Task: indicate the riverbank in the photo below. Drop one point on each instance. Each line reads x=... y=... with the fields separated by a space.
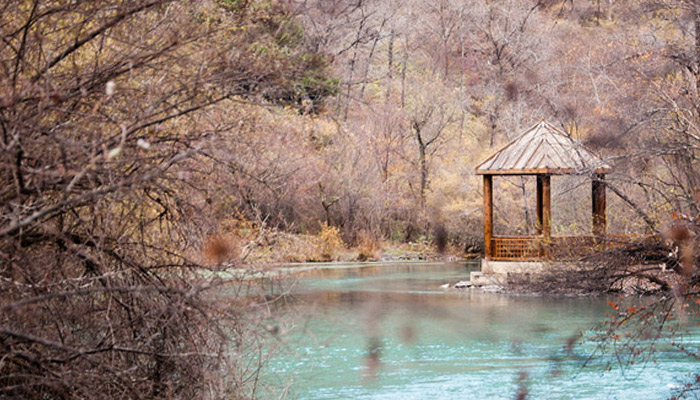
x=251 y=252
x=552 y=280
x=255 y=246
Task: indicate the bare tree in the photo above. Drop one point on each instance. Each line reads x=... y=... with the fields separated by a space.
x=103 y=127
x=428 y=125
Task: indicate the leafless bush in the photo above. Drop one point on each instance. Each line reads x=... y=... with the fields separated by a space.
x=636 y=267
x=104 y=129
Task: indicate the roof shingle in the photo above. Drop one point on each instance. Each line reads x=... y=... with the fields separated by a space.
x=542 y=149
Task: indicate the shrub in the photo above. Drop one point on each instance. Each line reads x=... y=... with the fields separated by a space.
x=331 y=242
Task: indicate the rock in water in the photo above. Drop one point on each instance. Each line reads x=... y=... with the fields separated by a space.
x=463 y=284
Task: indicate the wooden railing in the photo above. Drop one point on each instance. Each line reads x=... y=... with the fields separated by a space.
x=527 y=248
x=516 y=248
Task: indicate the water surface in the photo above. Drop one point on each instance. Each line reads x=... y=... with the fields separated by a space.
x=390 y=331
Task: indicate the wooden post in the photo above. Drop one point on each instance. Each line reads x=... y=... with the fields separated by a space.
x=546 y=213
x=598 y=200
x=488 y=215
x=538 y=227
x=546 y=206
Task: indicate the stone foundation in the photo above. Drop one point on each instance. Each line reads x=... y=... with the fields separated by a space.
x=499 y=273
x=512 y=267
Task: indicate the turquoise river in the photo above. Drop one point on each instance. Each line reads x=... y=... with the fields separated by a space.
x=390 y=331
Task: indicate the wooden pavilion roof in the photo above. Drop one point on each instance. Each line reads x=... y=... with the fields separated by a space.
x=543 y=149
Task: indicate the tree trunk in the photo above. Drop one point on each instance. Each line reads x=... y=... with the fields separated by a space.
x=422 y=162
x=369 y=65
x=696 y=21
x=446 y=57
x=352 y=67
x=403 y=74
x=347 y=95
x=390 y=67
x=493 y=118
x=423 y=174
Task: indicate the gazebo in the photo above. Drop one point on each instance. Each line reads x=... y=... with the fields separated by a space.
x=542 y=151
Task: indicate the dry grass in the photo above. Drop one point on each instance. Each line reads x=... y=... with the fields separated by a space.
x=368 y=247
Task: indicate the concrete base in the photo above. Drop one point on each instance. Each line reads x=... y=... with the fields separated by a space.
x=499 y=273
x=512 y=267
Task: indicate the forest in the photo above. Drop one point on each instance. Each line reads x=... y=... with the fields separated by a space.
x=148 y=144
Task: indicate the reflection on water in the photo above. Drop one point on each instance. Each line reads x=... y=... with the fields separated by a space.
x=392 y=332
